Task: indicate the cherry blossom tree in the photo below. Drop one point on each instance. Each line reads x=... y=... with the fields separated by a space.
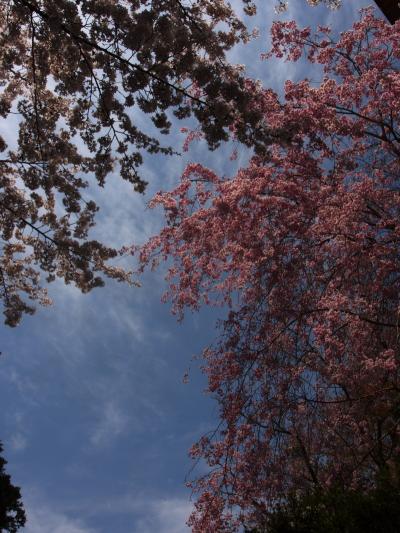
x=302 y=246
x=73 y=74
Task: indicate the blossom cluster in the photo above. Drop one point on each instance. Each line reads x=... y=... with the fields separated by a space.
x=303 y=248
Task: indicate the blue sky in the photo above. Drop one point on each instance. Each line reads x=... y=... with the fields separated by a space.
x=97 y=422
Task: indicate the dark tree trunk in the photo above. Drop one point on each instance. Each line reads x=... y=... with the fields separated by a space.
x=390 y=8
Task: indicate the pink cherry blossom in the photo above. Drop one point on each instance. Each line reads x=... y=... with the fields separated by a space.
x=302 y=246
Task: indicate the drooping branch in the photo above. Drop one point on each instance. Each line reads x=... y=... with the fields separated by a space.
x=303 y=247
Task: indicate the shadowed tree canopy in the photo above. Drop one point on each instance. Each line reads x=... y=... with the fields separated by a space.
x=337 y=511
x=74 y=77
x=12 y=514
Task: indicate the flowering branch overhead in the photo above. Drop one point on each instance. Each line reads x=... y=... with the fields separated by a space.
x=70 y=75
x=303 y=247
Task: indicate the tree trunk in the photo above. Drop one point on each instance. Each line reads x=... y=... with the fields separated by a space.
x=390 y=8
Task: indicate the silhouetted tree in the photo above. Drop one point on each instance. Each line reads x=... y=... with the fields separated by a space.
x=12 y=514
x=390 y=8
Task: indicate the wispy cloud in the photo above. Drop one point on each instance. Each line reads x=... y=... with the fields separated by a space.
x=43 y=519
x=152 y=514
x=18 y=442
x=111 y=424
x=142 y=515
x=164 y=516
